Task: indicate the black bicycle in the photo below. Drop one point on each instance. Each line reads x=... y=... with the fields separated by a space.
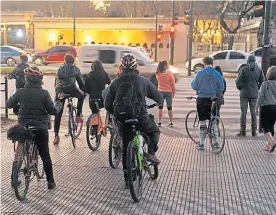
x=136 y=162
x=215 y=129
x=27 y=163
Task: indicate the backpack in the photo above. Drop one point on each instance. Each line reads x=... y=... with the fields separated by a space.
x=127 y=104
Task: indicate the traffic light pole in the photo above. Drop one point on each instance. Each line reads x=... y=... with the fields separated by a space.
x=74 y=23
x=266 y=37
x=172 y=37
x=191 y=38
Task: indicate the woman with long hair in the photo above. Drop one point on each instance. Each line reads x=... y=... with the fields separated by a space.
x=166 y=85
x=95 y=83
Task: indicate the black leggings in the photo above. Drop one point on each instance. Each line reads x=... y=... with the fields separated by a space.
x=42 y=143
x=268 y=118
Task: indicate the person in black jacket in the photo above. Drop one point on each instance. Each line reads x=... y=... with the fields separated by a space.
x=144 y=88
x=248 y=83
x=65 y=82
x=35 y=105
x=95 y=83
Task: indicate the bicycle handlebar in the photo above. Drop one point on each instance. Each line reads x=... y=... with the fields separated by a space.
x=152 y=105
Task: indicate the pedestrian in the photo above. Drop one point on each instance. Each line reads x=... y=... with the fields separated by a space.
x=248 y=83
x=220 y=100
x=19 y=76
x=166 y=85
x=95 y=82
x=267 y=102
x=208 y=83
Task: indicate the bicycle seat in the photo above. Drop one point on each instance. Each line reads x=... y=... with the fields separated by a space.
x=131 y=121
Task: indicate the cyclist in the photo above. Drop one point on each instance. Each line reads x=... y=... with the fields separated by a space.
x=208 y=84
x=35 y=105
x=95 y=83
x=19 y=76
x=143 y=88
x=65 y=82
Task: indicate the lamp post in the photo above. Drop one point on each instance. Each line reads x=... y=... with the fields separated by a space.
x=172 y=37
x=74 y=23
x=191 y=38
x=156 y=39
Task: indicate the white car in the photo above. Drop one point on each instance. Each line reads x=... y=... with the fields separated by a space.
x=229 y=61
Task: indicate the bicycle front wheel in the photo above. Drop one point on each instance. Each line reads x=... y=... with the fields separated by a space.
x=72 y=127
x=20 y=174
x=217 y=136
x=134 y=173
x=192 y=126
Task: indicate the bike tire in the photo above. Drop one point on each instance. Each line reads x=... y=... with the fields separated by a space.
x=24 y=158
x=91 y=134
x=221 y=133
x=133 y=173
x=71 y=128
x=195 y=121
x=78 y=125
x=114 y=148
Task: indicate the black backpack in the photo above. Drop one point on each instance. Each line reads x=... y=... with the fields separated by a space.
x=127 y=104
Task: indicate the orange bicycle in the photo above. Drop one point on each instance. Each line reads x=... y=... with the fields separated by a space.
x=95 y=128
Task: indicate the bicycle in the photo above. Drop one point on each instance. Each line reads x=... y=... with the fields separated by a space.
x=136 y=162
x=95 y=128
x=74 y=128
x=26 y=162
x=213 y=129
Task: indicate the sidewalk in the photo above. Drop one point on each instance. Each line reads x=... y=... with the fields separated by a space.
x=241 y=180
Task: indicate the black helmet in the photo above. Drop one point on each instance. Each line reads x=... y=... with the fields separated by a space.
x=128 y=62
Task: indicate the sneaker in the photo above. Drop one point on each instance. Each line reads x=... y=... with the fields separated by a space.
x=152 y=158
x=254 y=134
x=241 y=133
x=159 y=124
x=171 y=124
x=79 y=119
x=200 y=147
x=56 y=140
x=51 y=185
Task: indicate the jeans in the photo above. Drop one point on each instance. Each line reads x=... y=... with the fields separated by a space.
x=42 y=141
x=145 y=125
x=244 y=105
x=59 y=114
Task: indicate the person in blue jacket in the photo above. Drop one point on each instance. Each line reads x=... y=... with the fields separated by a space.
x=208 y=84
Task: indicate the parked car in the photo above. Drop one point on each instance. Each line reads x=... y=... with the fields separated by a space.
x=229 y=61
x=259 y=51
x=10 y=55
x=54 y=55
x=110 y=56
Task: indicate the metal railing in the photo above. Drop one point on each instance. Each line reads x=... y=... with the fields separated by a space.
x=6 y=95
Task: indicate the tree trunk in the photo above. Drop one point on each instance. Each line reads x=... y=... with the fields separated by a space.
x=231 y=43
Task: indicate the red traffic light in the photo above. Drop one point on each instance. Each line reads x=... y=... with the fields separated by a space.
x=159 y=37
x=172 y=29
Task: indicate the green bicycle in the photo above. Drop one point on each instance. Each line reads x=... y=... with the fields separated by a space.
x=136 y=162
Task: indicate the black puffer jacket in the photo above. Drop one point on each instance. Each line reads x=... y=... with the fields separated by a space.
x=18 y=75
x=35 y=104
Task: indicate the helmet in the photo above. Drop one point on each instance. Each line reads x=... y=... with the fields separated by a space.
x=128 y=62
x=33 y=71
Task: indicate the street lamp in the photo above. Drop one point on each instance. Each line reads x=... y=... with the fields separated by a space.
x=74 y=23
x=156 y=34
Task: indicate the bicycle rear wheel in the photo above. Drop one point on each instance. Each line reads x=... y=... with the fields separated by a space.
x=39 y=165
x=192 y=125
x=115 y=148
x=20 y=174
x=72 y=126
x=93 y=135
x=217 y=136
x=134 y=174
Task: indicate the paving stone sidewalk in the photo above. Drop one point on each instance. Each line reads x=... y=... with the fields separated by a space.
x=241 y=180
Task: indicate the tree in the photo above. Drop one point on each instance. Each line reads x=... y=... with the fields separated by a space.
x=235 y=11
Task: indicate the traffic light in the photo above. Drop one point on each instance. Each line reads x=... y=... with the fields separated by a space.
x=187 y=17
x=159 y=37
x=160 y=33
x=175 y=22
x=172 y=31
x=259 y=9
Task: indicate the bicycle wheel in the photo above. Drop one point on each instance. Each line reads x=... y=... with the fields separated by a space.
x=20 y=174
x=114 y=149
x=93 y=137
x=192 y=126
x=72 y=127
x=217 y=136
x=78 y=125
x=134 y=174
x=39 y=165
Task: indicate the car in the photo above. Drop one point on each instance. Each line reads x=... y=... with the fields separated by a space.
x=110 y=56
x=54 y=55
x=229 y=60
x=10 y=55
x=259 y=51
